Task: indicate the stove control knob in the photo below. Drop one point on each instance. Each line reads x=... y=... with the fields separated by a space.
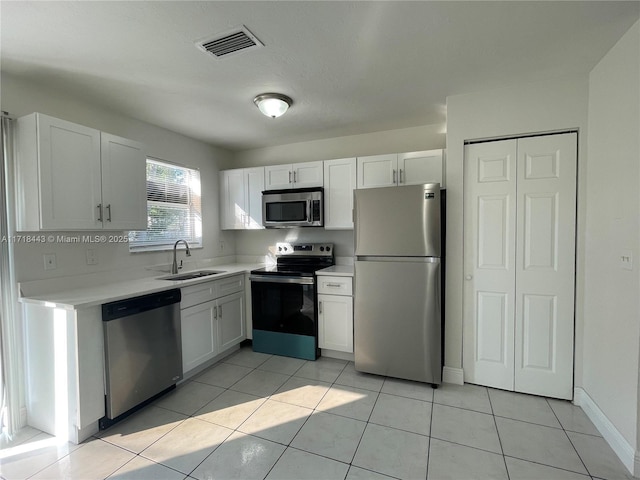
x=279 y=249
x=328 y=248
x=322 y=249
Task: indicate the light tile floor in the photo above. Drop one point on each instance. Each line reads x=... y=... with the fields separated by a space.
x=256 y=416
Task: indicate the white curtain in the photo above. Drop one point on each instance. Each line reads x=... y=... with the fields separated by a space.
x=10 y=337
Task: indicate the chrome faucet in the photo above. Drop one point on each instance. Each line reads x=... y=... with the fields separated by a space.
x=174 y=267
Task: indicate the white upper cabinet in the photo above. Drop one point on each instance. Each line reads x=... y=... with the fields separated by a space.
x=232 y=199
x=416 y=168
x=124 y=198
x=71 y=177
x=241 y=198
x=378 y=171
x=297 y=175
x=339 y=183
x=400 y=169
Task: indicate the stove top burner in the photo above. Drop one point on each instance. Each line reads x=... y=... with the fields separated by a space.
x=301 y=259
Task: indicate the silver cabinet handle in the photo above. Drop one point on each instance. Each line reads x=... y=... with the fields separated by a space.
x=401 y=176
x=219 y=311
x=109 y=212
x=294 y=177
x=289 y=176
x=335 y=285
x=319 y=307
x=394 y=175
x=468 y=277
x=215 y=312
x=99 y=207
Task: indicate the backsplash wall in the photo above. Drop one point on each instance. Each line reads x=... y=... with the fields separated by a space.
x=257 y=242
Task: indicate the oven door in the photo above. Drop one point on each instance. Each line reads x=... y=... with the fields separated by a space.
x=284 y=315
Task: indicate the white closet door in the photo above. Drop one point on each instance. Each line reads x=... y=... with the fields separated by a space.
x=544 y=320
x=489 y=259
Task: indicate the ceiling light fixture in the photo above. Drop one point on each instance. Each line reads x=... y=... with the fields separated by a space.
x=273 y=104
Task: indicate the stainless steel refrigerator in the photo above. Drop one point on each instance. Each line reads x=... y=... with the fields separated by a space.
x=397 y=307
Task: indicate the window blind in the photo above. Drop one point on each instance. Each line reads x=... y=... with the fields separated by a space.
x=174 y=208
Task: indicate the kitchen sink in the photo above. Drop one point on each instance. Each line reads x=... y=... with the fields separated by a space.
x=191 y=275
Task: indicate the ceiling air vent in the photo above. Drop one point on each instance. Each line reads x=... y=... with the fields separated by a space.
x=230 y=43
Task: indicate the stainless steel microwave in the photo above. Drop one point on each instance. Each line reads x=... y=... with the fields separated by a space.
x=302 y=207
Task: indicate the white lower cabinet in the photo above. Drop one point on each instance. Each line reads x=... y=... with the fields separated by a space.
x=335 y=313
x=230 y=321
x=212 y=318
x=198 y=334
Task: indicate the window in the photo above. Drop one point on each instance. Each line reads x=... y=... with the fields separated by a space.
x=174 y=209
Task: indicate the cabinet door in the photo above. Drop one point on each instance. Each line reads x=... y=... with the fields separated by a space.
x=232 y=199
x=277 y=177
x=378 y=171
x=124 y=184
x=339 y=183
x=308 y=174
x=230 y=321
x=254 y=185
x=416 y=168
x=198 y=334
x=335 y=323
x=69 y=171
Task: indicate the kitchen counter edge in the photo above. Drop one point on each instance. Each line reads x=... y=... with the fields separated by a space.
x=337 y=271
x=81 y=298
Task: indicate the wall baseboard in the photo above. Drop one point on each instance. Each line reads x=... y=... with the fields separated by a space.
x=610 y=433
x=453 y=375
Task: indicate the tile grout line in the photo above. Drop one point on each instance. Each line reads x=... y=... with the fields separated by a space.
x=569 y=438
x=495 y=422
x=433 y=399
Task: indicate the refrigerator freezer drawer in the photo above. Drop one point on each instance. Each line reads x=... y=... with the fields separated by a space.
x=397 y=318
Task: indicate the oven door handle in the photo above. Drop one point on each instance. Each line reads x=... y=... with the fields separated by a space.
x=282 y=279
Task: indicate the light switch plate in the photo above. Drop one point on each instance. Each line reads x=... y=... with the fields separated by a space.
x=626 y=259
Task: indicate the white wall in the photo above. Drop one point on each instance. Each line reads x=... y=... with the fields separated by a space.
x=253 y=242
x=557 y=104
x=611 y=301
x=412 y=139
x=21 y=98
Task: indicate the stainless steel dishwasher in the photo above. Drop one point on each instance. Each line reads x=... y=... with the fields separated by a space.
x=143 y=351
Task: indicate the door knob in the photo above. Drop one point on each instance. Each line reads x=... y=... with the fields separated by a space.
x=468 y=277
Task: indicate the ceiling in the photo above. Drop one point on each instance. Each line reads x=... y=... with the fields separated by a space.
x=350 y=67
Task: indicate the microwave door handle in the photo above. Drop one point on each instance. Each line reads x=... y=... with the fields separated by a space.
x=308 y=211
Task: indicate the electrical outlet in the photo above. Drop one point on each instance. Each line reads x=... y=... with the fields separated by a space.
x=626 y=260
x=50 y=261
x=92 y=257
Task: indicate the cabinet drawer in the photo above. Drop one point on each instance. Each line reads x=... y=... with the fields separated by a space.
x=229 y=285
x=196 y=294
x=335 y=285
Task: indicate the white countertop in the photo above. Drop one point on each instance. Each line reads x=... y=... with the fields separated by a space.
x=337 y=271
x=89 y=296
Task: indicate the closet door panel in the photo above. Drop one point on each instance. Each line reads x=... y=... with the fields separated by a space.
x=545 y=270
x=489 y=259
